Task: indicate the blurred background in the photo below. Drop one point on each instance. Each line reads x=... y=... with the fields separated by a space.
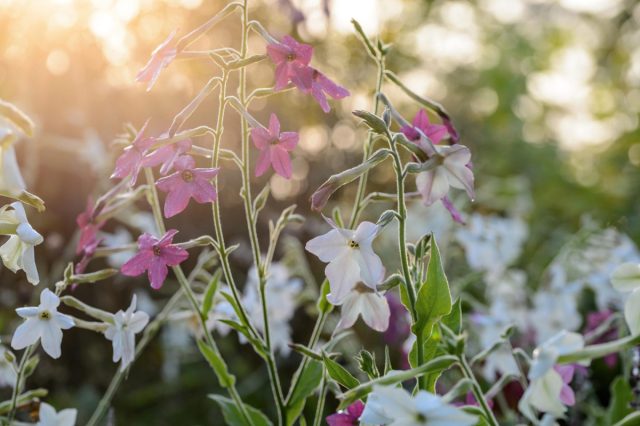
x=545 y=93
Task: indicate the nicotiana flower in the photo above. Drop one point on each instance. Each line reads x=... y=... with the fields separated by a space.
x=88 y=228
x=548 y=383
x=450 y=170
x=126 y=324
x=18 y=253
x=627 y=278
x=312 y=81
x=166 y=156
x=161 y=57
x=49 y=417
x=8 y=369
x=274 y=148
x=131 y=160
x=154 y=255
x=43 y=323
x=388 y=405
x=367 y=303
x=348 y=417
x=186 y=183
x=290 y=58
x=11 y=180
x=435 y=132
x=351 y=258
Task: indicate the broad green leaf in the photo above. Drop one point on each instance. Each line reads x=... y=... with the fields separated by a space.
x=310 y=379
x=233 y=417
x=225 y=378
x=454 y=319
x=621 y=397
x=212 y=287
x=340 y=374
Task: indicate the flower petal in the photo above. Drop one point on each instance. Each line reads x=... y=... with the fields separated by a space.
x=327 y=246
x=26 y=334
x=281 y=161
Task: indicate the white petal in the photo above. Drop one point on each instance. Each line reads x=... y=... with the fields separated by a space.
x=138 y=321
x=395 y=403
x=47 y=415
x=110 y=332
x=11 y=253
x=461 y=177
x=67 y=417
x=349 y=311
x=63 y=321
x=29 y=235
x=365 y=233
x=118 y=344
x=343 y=273
x=371 y=268
x=29 y=265
x=48 y=300
x=27 y=312
x=132 y=306
x=26 y=334
x=51 y=339
x=128 y=349
x=433 y=185
x=626 y=277
x=632 y=312
x=545 y=394
x=375 y=311
x=11 y=178
x=328 y=246
x=21 y=215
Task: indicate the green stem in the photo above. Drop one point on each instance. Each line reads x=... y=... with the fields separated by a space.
x=317 y=419
x=477 y=391
x=19 y=382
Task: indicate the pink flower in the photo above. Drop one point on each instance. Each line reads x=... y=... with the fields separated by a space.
x=566 y=393
x=167 y=155
x=88 y=228
x=274 y=148
x=161 y=57
x=435 y=132
x=154 y=256
x=310 y=80
x=131 y=160
x=348 y=417
x=594 y=320
x=186 y=183
x=290 y=57
x=455 y=214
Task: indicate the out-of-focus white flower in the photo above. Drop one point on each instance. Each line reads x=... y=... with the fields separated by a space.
x=43 y=323
x=121 y=237
x=492 y=243
x=627 y=278
x=371 y=305
x=350 y=256
x=126 y=324
x=8 y=369
x=281 y=293
x=546 y=382
x=18 y=253
x=49 y=417
x=553 y=311
x=452 y=171
x=11 y=181
x=388 y=405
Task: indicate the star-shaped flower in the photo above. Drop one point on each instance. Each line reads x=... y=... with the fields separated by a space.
x=274 y=148
x=126 y=324
x=161 y=57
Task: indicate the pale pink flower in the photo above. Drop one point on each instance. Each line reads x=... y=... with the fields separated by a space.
x=435 y=132
x=186 y=183
x=312 y=81
x=166 y=156
x=290 y=57
x=154 y=255
x=161 y=57
x=566 y=393
x=451 y=170
x=348 y=417
x=274 y=148
x=364 y=302
x=131 y=160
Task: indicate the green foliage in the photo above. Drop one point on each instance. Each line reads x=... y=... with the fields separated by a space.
x=310 y=379
x=621 y=397
x=232 y=414
x=216 y=362
x=340 y=374
x=367 y=363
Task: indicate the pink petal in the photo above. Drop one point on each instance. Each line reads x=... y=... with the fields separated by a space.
x=567 y=396
x=168 y=183
x=205 y=174
x=167 y=238
x=282 y=76
x=274 y=126
x=260 y=137
x=278 y=52
x=566 y=372
x=146 y=241
x=185 y=162
x=281 y=161
x=177 y=200
x=137 y=264
x=331 y=88
x=264 y=161
x=173 y=255
x=321 y=98
x=356 y=409
x=289 y=140
x=157 y=272
x=421 y=120
x=203 y=191
x=341 y=419
x=455 y=214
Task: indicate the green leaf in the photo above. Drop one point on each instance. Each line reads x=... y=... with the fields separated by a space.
x=310 y=379
x=340 y=374
x=375 y=123
x=621 y=397
x=323 y=303
x=454 y=319
x=212 y=287
x=434 y=299
x=367 y=363
x=212 y=355
x=233 y=417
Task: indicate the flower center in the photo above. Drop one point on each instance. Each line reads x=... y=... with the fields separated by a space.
x=421 y=418
x=353 y=244
x=274 y=141
x=45 y=315
x=291 y=57
x=157 y=251
x=187 y=175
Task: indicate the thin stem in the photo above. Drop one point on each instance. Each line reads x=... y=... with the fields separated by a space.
x=477 y=391
x=19 y=382
x=317 y=420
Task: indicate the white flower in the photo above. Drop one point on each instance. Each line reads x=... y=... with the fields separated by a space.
x=627 y=278
x=8 y=369
x=49 y=417
x=122 y=333
x=351 y=258
x=388 y=405
x=43 y=322
x=362 y=301
x=11 y=181
x=553 y=311
x=452 y=171
x=17 y=253
x=546 y=383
